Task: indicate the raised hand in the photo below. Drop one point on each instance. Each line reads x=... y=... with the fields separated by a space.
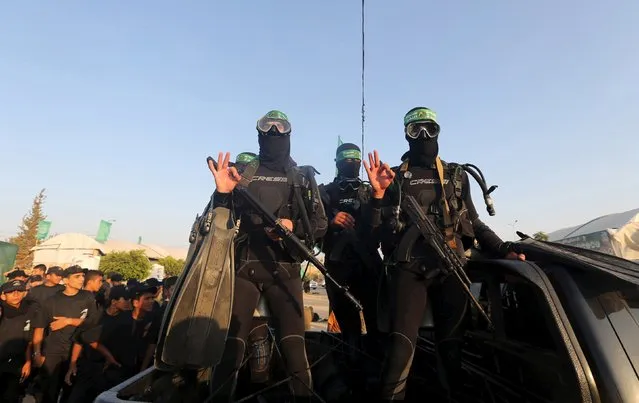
x=226 y=178
x=380 y=175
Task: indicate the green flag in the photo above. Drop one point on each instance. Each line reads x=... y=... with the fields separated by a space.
x=139 y=240
x=8 y=252
x=43 y=230
x=103 y=231
x=339 y=143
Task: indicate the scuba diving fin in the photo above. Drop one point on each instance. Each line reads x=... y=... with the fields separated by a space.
x=197 y=318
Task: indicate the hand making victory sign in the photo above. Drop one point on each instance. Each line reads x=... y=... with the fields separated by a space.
x=226 y=178
x=380 y=175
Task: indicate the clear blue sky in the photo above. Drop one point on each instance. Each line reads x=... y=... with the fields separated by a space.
x=113 y=106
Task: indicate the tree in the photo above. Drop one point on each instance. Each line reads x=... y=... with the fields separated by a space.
x=172 y=266
x=540 y=236
x=26 y=238
x=132 y=264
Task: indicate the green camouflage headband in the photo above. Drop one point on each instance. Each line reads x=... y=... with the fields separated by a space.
x=350 y=153
x=276 y=115
x=419 y=115
x=245 y=158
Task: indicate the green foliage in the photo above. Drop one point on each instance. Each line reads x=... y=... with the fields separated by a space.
x=172 y=266
x=26 y=238
x=133 y=264
x=540 y=236
x=312 y=273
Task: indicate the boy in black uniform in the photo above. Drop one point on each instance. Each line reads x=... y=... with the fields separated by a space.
x=38 y=270
x=93 y=281
x=444 y=194
x=263 y=266
x=351 y=255
x=51 y=286
x=15 y=341
x=61 y=315
x=146 y=325
x=107 y=353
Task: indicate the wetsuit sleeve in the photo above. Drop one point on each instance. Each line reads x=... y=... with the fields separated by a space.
x=222 y=199
x=486 y=237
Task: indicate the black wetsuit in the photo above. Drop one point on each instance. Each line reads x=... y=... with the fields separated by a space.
x=351 y=257
x=265 y=267
x=410 y=282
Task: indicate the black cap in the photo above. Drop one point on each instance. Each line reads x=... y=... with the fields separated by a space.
x=117 y=277
x=143 y=289
x=170 y=281
x=153 y=282
x=57 y=270
x=35 y=278
x=71 y=270
x=16 y=273
x=15 y=285
x=119 y=291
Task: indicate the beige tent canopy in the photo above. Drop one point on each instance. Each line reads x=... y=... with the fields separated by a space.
x=68 y=249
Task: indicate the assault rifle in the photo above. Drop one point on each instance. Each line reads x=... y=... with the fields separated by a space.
x=290 y=239
x=435 y=239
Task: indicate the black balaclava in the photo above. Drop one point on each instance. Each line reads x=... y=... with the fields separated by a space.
x=275 y=152
x=422 y=152
x=346 y=169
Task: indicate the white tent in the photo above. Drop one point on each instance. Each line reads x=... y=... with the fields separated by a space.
x=616 y=234
x=69 y=249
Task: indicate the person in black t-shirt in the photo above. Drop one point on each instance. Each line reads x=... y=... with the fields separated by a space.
x=38 y=270
x=103 y=355
x=93 y=280
x=51 y=286
x=157 y=298
x=15 y=341
x=61 y=314
x=146 y=324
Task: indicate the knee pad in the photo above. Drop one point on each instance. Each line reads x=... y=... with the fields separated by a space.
x=260 y=351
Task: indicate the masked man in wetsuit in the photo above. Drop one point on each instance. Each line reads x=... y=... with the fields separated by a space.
x=416 y=281
x=259 y=346
x=350 y=252
x=264 y=267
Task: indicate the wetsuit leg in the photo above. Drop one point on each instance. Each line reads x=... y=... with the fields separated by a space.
x=345 y=313
x=225 y=373
x=284 y=298
x=408 y=297
x=450 y=308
